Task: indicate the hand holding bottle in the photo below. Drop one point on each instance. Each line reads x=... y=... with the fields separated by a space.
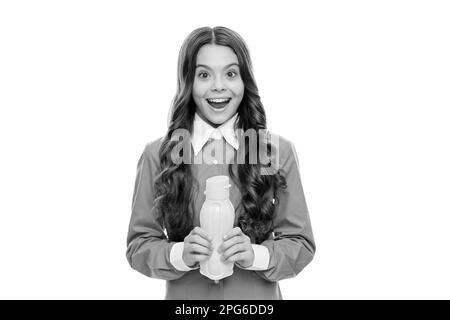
x=237 y=247
x=197 y=247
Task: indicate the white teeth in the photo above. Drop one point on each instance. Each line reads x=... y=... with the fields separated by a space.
x=218 y=100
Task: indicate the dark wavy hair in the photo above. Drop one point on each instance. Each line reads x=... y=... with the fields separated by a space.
x=175 y=186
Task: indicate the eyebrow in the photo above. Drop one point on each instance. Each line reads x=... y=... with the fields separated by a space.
x=207 y=67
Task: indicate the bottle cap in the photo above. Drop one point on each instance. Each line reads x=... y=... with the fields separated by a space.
x=217 y=188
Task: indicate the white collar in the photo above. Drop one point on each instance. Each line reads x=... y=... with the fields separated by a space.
x=203 y=131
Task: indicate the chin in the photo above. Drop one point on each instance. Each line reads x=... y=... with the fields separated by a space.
x=219 y=118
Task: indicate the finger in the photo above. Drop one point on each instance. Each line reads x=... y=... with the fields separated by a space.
x=231 y=242
x=200 y=257
x=195 y=238
x=233 y=250
x=199 y=249
x=237 y=257
x=202 y=233
x=234 y=232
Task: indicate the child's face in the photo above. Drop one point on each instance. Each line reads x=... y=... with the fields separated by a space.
x=217 y=75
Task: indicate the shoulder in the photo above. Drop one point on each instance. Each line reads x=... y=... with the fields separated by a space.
x=285 y=147
x=151 y=150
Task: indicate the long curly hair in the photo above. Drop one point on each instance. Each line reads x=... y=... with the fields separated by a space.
x=175 y=186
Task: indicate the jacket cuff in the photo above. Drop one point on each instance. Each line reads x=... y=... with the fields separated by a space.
x=262 y=258
x=176 y=257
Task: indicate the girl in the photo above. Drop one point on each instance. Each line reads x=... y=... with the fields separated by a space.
x=272 y=237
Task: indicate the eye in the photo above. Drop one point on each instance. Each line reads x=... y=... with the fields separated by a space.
x=203 y=75
x=232 y=73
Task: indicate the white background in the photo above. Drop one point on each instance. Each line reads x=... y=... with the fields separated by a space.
x=360 y=87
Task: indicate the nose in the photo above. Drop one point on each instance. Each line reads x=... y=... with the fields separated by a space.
x=218 y=85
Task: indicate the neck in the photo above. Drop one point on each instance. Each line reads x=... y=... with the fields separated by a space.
x=212 y=124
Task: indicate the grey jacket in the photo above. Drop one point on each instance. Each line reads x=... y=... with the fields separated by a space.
x=291 y=246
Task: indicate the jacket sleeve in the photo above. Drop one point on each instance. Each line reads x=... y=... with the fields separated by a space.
x=291 y=247
x=148 y=249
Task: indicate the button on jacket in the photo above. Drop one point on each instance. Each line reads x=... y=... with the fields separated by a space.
x=283 y=255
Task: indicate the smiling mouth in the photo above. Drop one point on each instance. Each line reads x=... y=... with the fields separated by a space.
x=218 y=103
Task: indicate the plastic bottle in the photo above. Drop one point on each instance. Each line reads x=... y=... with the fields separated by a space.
x=217 y=219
